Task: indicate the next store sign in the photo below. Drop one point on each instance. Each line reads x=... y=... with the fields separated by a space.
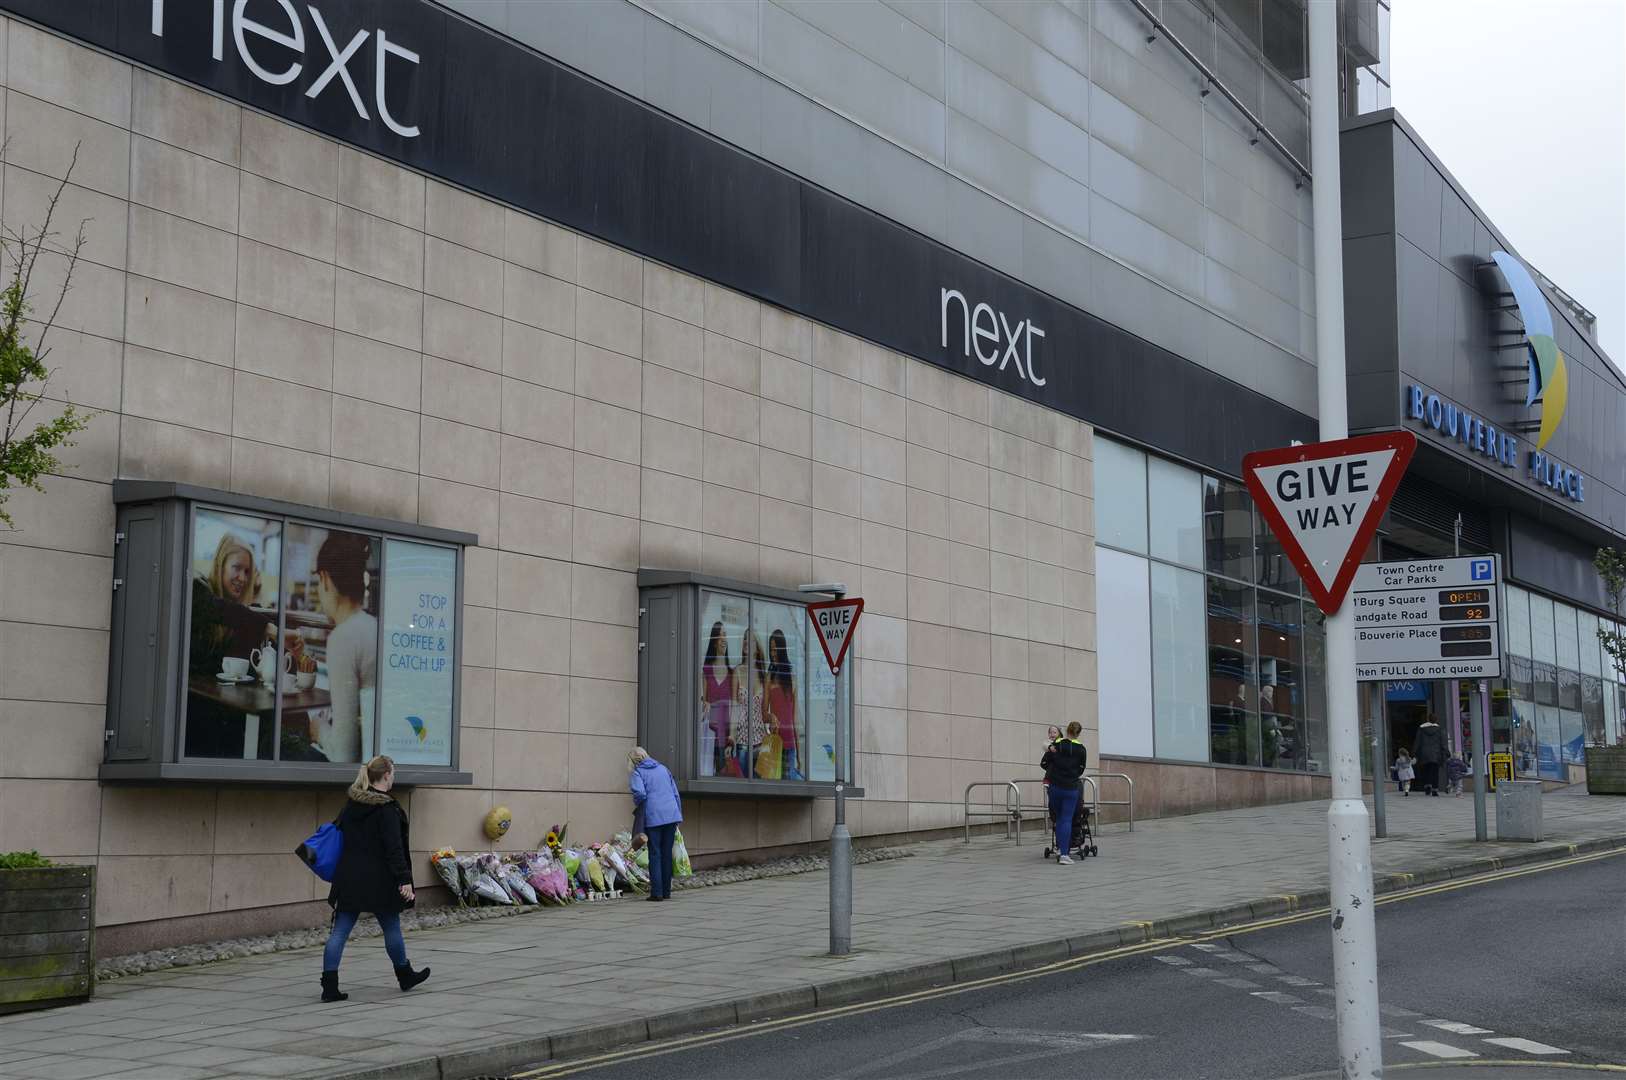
x=1432 y=412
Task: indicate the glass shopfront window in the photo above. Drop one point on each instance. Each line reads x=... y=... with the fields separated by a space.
x=1543 y=639
x=1179 y=664
x=1549 y=744
x=332 y=613
x=1120 y=497
x=754 y=692
x=1175 y=502
x=1233 y=710
x=286 y=643
x=1281 y=683
x=1567 y=693
x=1241 y=683
x=236 y=660
x=1228 y=541
x=735 y=693
x=1517 y=621
x=309 y=641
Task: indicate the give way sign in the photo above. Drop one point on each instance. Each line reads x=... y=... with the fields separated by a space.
x=1324 y=501
x=835 y=620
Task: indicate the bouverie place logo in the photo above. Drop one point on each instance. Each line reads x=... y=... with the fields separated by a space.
x=1549 y=376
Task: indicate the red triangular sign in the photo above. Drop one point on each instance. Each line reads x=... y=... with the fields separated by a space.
x=1324 y=501
x=835 y=621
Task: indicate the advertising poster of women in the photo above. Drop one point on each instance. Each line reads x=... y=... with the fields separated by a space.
x=767 y=706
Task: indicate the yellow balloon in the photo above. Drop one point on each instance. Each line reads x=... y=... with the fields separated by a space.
x=498 y=821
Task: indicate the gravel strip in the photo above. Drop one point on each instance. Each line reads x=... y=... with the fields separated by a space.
x=188 y=955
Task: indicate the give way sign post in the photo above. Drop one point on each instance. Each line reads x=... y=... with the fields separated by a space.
x=835 y=620
x=1324 y=501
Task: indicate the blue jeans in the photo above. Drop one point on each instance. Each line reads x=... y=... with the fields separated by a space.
x=661 y=838
x=1063 y=805
x=345 y=921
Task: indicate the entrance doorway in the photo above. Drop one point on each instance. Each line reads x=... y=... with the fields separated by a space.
x=1405 y=706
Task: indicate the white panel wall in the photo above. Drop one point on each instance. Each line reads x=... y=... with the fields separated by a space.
x=1047 y=138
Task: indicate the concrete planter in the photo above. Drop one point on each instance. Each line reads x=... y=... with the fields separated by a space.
x=1606 y=770
x=47 y=937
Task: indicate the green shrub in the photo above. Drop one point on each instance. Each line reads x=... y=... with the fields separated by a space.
x=22 y=860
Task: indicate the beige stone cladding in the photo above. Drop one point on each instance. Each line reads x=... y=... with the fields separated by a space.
x=267 y=311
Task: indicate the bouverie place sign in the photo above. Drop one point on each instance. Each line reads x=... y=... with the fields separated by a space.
x=1324 y=500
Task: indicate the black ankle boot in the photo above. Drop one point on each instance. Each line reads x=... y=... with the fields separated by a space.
x=409 y=978
x=330 y=987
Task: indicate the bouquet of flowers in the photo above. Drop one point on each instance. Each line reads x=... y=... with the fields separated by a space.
x=444 y=862
x=492 y=867
x=547 y=877
x=514 y=881
x=595 y=872
x=620 y=861
x=572 y=862
x=554 y=841
x=479 y=884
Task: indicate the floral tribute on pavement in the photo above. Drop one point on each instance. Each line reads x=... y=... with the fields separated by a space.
x=557 y=873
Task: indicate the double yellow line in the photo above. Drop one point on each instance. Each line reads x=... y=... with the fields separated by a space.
x=672 y=1046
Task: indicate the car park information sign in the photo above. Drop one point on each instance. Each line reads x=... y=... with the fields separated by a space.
x=1428 y=619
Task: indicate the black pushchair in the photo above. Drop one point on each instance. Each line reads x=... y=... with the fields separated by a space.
x=1083 y=839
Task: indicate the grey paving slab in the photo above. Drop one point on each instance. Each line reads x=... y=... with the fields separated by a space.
x=556 y=971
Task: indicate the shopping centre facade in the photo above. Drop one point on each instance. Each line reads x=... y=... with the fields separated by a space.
x=477 y=383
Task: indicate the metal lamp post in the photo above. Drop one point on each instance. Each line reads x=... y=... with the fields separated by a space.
x=841 y=841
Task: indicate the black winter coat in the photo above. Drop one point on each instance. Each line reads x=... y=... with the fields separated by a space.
x=374 y=863
x=1429 y=745
x=1063 y=763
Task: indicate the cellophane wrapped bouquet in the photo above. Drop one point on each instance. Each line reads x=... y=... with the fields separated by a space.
x=444 y=862
x=547 y=877
x=478 y=883
x=514 y=881
x=620 y=854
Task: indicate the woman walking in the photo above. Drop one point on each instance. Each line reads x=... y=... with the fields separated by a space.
x=373 y=874
x=658 y=807
x=1428 y=748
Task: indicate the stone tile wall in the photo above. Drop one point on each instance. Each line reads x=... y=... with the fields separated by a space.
x=267 y=311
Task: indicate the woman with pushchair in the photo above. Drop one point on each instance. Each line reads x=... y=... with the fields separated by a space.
x=1063 y=763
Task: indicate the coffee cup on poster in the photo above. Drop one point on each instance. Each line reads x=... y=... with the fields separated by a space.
x=234 y=666
x=304 y=680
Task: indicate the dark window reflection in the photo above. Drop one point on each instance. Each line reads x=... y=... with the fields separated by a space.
x=1592 y=690
x=1227 y=529
x=1232 y=686
x=1546 y=683
x=1522 y=678
x=1569 y=689
x=1281 y=683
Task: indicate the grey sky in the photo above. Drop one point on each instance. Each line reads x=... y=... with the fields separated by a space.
x=1524 y=100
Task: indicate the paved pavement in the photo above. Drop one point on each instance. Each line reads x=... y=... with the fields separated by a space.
x=1253 y=1001
x=564 y=981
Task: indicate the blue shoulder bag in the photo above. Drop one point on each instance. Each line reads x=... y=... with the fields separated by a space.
x=321 y=851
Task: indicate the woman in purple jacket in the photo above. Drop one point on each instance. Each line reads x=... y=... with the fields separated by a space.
x=656 y=803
